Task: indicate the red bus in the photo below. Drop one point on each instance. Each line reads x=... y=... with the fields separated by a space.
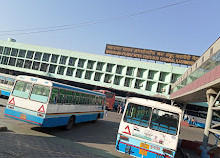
x=110 y=98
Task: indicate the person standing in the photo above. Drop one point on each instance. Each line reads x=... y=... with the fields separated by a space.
x=106 y=111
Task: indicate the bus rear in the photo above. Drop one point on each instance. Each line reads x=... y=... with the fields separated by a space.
x=28 y=100
x=149 y=129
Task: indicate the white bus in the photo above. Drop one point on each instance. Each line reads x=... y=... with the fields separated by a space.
x=49 y=104
x=149 y=129
x=6 y=84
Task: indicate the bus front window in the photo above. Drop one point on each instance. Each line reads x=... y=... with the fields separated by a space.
x=22 y=89
x=109 y=94
x=164 y=121
x=138 y=114
x=40 y=93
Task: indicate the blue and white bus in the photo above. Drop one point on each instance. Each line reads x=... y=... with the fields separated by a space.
x=149 y=129
x=6 y=84
x=49 y=104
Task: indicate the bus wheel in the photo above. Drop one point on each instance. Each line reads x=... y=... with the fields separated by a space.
x=71 y=123
x=97 y=117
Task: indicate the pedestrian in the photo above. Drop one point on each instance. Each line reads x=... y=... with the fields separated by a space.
x=193 y=121
x=120 y=109
x=106 y=112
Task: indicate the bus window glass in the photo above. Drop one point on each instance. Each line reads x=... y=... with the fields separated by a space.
x=164 y=121
x=22 y=89
x=109 y=94
x=54 y=96
x=138 y=114
x=40 y=93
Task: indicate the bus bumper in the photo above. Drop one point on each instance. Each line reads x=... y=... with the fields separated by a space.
x=23 y=117
x=128 y=147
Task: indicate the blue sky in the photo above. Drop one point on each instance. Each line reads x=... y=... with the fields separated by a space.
x=188 y=28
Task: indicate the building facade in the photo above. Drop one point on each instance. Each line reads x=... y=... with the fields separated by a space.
x=139 y=77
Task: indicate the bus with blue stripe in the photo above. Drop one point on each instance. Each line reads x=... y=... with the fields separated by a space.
x=49 y=104
x=149 y=129
x=6 y=84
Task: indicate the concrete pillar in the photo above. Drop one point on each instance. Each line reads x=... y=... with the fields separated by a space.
x=183 y=109
x=210 y=94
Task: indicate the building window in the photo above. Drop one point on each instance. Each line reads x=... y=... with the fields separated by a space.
x=30 y=54
x=20 y=63
x=90 y=64
x=151 y=74
x=22 y=53
x=1 y=50
x=61 y=70
x=99 y=66
x=119 y=69
x=117 y=80
x=52 y=68
x=130 y=71
x=109 y=67
x=97 y=77
x=14 y=52
x=27 y=64
x=7 y=51
x=128 y=82
x=12 y=61
x=88 y=75
x=140 y=73
x=46 y=57
x=36 y=65
x=63 y=60
x=72 y=61
x=81 y=63
x=37 y=56
x=108 y=78
x=54 y=58
x=69 y=71
x=4 y=60
x=44 y=67
x=79 y=73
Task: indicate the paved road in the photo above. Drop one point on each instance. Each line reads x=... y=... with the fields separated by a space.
x=85 y=140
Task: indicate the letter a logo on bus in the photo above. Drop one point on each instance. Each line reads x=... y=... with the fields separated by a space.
x=12 y=101
x=41 y=109
x=128 y=130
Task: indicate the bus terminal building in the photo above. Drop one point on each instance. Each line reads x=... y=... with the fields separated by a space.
x=125 y=76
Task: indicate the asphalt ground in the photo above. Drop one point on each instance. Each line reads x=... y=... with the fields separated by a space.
x=85 y=140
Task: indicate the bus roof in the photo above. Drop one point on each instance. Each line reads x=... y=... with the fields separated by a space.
x=155 y=104
x=56 y=84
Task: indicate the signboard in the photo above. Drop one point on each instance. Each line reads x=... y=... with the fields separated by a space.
x=149 y=54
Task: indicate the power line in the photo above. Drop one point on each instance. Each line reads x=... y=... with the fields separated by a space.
x=71 y=26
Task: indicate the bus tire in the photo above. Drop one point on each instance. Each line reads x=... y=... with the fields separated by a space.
x=70 y=123
x=97 y=117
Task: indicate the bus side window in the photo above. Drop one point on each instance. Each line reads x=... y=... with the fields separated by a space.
x=54 y=96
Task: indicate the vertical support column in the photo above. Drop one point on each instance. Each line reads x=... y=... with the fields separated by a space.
x=210 y=94
x=183 y=109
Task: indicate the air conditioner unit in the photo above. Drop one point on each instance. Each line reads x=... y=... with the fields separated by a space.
x=109 y=81
x=163 y=89
x=140 y=85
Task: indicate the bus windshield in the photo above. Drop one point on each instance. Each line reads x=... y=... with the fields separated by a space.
x=164 y=121
x=160 y=120
x=40 y=93
x=22 y=89
x=109 y=94
x=138 y=114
